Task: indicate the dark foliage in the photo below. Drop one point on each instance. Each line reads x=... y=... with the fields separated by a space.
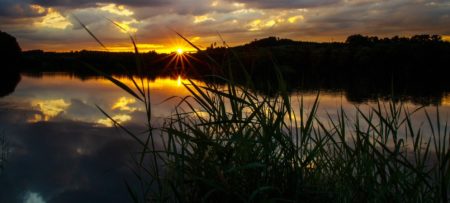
x=9 y=51
x=364 y=67
x=10 y=54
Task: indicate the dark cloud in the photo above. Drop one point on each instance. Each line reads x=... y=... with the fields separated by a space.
x=88 y=3
x=80 y=110
x=382 y=18
x=18 y=9
x=24 y=9
x=286 y=3
x=65 y=161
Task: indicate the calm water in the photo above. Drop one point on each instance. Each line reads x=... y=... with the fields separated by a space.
x=62 y=149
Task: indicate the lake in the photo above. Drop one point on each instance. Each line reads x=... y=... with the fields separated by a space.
x=61 y=148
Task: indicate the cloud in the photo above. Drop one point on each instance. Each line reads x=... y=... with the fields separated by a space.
x=116 y=9
x=120 y=118
x=398 y=17
x=53 y=19
x=81 y=111
x=21 y=13
x=203 y=18
x=90 y=3
x=20 y=9
x=123 y=104
x=271 y=4
x=64 y=161
x=47 y=24
x=49 y=109
x=32 y=197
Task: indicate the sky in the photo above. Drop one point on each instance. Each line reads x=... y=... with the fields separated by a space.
x=51 y=25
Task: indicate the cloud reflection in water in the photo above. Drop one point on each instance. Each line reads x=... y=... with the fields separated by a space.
x=59 y=152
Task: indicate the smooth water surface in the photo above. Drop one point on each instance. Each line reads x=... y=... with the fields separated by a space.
x=63 y=149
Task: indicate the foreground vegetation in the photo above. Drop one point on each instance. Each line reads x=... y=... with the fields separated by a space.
x=4 y=150
x=230 y=144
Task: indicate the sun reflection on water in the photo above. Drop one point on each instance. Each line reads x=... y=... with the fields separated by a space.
x=173 y=85
x=179 y=81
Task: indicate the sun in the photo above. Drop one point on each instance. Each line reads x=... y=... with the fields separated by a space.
x=180 y=51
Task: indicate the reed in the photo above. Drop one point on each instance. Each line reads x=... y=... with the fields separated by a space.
x=4 y=152
x=230 y=144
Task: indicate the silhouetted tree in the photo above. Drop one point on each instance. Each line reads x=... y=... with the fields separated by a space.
x=9 y=51
x=10 y=54
x=358 y=40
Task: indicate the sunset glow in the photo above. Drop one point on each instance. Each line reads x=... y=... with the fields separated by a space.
x=180 y=51
x=47 y=25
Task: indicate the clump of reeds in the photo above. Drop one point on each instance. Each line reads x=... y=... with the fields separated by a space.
x=229 y=144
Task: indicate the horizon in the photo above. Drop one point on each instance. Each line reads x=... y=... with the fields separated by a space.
x=50 y=25
x=184 y=49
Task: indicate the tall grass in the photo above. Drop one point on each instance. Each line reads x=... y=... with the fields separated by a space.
x=230 y=144
x=4 y=151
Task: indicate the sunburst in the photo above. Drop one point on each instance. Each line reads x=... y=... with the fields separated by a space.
x=178 y=61
x=180 y=51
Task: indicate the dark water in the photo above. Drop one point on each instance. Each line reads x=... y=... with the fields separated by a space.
x=62 y=149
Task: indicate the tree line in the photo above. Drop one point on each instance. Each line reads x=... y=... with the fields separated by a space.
x=365 y=67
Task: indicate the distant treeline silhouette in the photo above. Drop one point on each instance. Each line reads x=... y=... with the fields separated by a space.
x=364 y=67
x=10 y=55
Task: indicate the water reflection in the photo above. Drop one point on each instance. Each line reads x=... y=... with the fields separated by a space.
x=65 y=98
x=8 y=83
x=64 y=150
